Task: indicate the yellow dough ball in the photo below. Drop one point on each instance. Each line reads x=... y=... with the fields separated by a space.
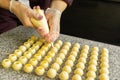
x=17 y=65
x=104 y=76
x=57 y=46
x=18 y=52
x=64 y=75
x=30 y=41
x=79 y=71
x=76 y=45
x=67 y=43
x=42 y=52
x=84 y=51
x=45 y=64
x=27 y=44
x=90 y=78
x=28 y=68
x=91 y=74
x=67 y=68
x=27 y=54
x=44 y=48
x=61 y=55
x=104 y=70
x=105 y=50
x=23 y=59
x=58 y=60
x=69 y=63
x=54 y=49
x=104 y=64
x=51 y=73
x=12 y=57
x=33 y=61
x=22 y=48
x=55 y=66
x=93 y=57
x=40 y=70
x=104 y=54
x=92 y=67
x=76 y=77
x=73 y=53
x=39 y=43
x=64 y=51
x=32 y=50
x=94 y=53
x=71 y=57
x=33 y=37
x=82 y=59
x=85 y=47
x=95 y=49
x=50 y=53
x=84 y=55
x=104 y=59
x=6 y=63
x=48 y=59
x=38 y=57
x=59 y=42
x=66 y=47
x=80 y=65
x=76 y=49
x=36 y=46
x=93 y=62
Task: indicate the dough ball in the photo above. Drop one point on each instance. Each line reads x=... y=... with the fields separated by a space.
x=93 y=62
x=38 y=57
x=76 y=45
x=32 y=50
x=85 y=47
x=69 y=63
x=27 y=54
x=93 y=57
x=18 y=52
x=79 y=71
x=104 y=64
x=6 y=63
x=104 y=76
x=48 y=59
x=90 y=78
x=27 y=45
x=82 y=59
x=12 y=57
x=55 y=66
x=28 y=68
x=33 y=61
x=94 y=53
x=64 y=51
x=59 y=42
x=50 y=53
x=67 y=43
x=91 y=74
x=40 y=70
x=84 y=51
x=71 y=57
x=66 y=47
x=73 y=53
x=51 y=73
x=76 y=49
x=104 y=70
x=80 y=65
x=67 y=68
x=64 y=75
x=17 y=65
x=45 y=64
x=95 y=49
x=22 y=48
x=105 y=50
x=83 y=55
x=61 y=55
x=76 y=77
x=58 y=60
x=23 y=59
x=104 y=59
x=42 y=52
x=92 y=67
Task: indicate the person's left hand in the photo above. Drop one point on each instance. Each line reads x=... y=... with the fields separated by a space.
x=53 y=18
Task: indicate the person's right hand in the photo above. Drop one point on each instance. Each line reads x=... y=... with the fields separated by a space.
x=24 y=14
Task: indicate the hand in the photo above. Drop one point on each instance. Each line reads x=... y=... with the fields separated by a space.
x=53 y=18
x=24 y=14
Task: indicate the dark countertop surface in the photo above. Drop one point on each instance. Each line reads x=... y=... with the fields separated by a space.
x=12 y=39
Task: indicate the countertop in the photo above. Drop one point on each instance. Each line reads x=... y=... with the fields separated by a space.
x=12 y=39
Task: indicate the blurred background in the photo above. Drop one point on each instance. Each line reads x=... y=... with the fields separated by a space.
x=97 y=20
